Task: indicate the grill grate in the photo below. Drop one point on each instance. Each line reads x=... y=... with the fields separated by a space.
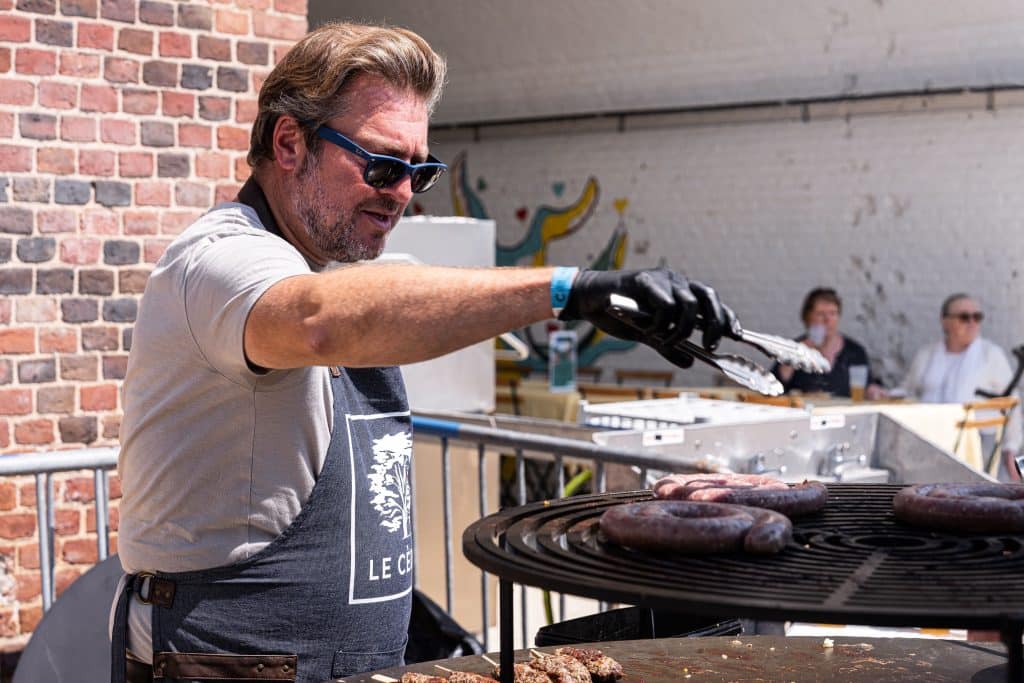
x=851 y=563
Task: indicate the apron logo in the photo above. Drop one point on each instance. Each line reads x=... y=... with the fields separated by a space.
x=389 y=481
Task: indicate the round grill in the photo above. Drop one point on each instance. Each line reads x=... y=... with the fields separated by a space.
x=853 y=562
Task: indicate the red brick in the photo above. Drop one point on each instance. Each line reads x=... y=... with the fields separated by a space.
x=111 y=426
x=175 y=44
x=58 y=95
x=35 y=62
x=15 y=401
x=79 y=8
x=280 y=51
x=114 y=486
x=63 y=339
x=64 y=578
x=135 y=40
x=79 y=551
x=178 y=103
x=26 y=586
x=246 y=110
x=36 y=432
x=99 y=222
x=20 y=525
x=225 y=193
x=5 y=311
x=141 y=222
x=5 y=59
x=152 y=250
x=252 y=4
x=118 y=70
x=113 y=519
x=95 y=162
x=135 y=164
x=175 y=222
x=51 y=221
x=195 y=135
x=291 y=7
x=29 y=618
x=99 y=98
x=79 y=65
x=119 y=132
x=283 y=28
x=8 y=623
x=15 y=158
x=212 y=165
x=154 y=193
x=15 y=29
x=81 y=368
x=218 y=49
x=79 y=490
x=242 y=169
x=5 y=434
x=18 y=340
x=103 y=397
x=77 y=129
x=42 y=127
x=97 y=36
x=191 y=194
x=80 y=250
x=232 y=137
x=227 y=21
x=59 y=400
x=6 y=125
x=258 y=78
x=139 y=101
x=59 y=161
x=8 y=496
x=16 y=92
x=67 y=522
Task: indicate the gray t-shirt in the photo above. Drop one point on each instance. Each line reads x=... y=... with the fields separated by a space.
x=216 y=459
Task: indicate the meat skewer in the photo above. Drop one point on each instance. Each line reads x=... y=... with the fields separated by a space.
x=560 y=668
x=413 y=677
x=465 y=676
x=524 y=673
x=602 y=668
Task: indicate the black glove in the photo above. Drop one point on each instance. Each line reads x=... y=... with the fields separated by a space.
x=672 y=303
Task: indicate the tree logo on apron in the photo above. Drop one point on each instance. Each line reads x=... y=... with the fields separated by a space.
x=389 y=481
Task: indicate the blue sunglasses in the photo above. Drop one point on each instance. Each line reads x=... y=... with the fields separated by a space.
x=383 y=171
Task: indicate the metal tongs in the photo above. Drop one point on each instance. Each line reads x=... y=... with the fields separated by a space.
x=737 y=368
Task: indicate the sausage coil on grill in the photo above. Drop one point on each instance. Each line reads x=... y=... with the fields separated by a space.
x=984 y=508
x=745 y=489
x=693 y=527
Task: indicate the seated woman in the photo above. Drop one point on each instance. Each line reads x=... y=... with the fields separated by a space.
x=952 y=371
x=820 y=313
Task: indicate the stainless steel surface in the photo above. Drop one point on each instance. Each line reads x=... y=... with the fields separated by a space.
x=787 y=351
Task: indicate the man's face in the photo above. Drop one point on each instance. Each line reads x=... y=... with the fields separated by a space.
x=346 y=219
x=962 y=324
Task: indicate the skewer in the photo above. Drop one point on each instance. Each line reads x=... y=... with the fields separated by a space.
x=444 y=668
x=489 y=660
x=538 y=654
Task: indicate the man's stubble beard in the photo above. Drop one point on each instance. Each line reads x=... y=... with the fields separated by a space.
x=337 y=241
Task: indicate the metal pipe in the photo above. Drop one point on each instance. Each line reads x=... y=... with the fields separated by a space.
x=51 y=518
x=521 y=500
x=100 y=482
x=560 y=465
x=62 y=461
x=446 y=477
x=485 y=590
x=46 y=577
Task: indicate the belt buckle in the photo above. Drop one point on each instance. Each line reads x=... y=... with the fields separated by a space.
x=140 y=582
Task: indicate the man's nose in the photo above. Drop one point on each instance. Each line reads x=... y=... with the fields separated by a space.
x=400 y=191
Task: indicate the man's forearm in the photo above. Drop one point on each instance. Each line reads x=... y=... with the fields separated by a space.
x=373 y=315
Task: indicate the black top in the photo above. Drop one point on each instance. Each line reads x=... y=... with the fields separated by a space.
x=835 y=382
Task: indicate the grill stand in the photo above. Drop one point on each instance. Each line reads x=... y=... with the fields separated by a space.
x=505 y=609
x=1012 y=634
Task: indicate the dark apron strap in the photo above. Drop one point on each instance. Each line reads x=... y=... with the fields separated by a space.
x=119 y=636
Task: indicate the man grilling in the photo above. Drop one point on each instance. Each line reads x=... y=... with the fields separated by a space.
x=265 y=524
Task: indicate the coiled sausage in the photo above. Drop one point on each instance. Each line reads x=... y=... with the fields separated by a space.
x=982 y=508
x=745 y=489
x=695 y=527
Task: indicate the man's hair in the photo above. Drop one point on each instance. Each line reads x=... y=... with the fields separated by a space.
x=952 y=299
x=819 y=294
x=310 y=82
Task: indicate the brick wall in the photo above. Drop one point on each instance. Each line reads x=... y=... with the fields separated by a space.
x=120 y=122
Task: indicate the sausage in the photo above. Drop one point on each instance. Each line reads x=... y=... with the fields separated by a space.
x=745 y=489
x=696 y=527
x=982 y=508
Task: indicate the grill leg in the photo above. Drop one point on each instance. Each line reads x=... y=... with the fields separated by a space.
x=505 y=614
x=1012 y=634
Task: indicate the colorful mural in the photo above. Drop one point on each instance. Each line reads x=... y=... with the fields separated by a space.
x=545 y=225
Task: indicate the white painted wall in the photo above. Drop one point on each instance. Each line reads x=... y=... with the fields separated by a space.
x=532 y=58
x=896 y=210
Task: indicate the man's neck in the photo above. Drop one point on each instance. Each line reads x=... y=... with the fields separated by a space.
x=275 y=192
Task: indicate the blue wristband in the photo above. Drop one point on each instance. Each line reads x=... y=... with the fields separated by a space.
x=561 y=285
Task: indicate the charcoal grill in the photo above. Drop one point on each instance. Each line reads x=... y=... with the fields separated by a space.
x=851 y=563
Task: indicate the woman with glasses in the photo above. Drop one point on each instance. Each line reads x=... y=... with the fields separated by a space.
x=954 y=369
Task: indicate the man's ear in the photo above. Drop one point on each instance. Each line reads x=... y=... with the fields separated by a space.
x=289 y=144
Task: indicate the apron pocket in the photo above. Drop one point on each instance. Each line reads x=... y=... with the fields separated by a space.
x=201 y=666
x=350 y=663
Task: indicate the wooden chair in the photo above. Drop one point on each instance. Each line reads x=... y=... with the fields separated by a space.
x=1002 y=405
x=659 y=392
x=784 y=401
x=646 y=376
x=609 y=392
x=591 y=373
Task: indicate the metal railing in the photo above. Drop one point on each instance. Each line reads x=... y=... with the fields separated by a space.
x=524 y=445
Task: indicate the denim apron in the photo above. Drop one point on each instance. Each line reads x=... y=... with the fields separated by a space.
x=329 y=597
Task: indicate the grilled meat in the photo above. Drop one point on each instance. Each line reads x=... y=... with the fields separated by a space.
x=602 y=668
x=561 y=669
